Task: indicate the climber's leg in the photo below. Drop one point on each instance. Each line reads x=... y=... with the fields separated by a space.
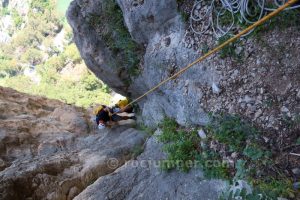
x=125 y=114
x=117 y=117
x=128 y=121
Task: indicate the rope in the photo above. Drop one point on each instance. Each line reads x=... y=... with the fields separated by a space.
x=212 y=13
x=245 y=31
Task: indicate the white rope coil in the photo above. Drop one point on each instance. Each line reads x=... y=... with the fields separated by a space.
x=206 y=15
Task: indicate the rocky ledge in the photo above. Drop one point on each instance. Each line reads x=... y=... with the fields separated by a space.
x=48 y=150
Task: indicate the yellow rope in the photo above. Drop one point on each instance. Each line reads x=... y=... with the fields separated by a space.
x=261 y=21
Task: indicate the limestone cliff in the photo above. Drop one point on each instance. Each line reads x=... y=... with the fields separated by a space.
x=156 y=26
x=258 y=81
x=48 y=150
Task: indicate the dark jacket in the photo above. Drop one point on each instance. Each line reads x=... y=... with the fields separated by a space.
x=102 y=115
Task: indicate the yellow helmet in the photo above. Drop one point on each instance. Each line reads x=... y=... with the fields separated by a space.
x=122 y=103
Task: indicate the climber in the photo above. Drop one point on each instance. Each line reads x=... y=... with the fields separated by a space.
x=106 y=117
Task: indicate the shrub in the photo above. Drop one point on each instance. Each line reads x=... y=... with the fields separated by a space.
x=72 y=53
x=229 y=50
x=232 y=131
x=32 y=56
x=179 y=145
x=17 y=18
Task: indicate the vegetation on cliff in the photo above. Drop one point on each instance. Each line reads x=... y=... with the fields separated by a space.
x=40 y=57
x=228 y=148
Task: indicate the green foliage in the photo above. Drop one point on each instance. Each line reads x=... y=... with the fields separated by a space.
x=25 y=49
x=71 y=52
x=242 y=194
x=117 y=38
x=32 y=56
x=55 y=63
x=205 y=49
x=18 y=20
x=225 y=19
x=179 y=145
x=242 y=138
x=8 y=67
x=241 y=170
x=184 y=16
x=228 y=50
x=262 y=190
x=282 y=21
x=144 y=128
x=53 y=87
x=180 y=154
x=253 y=151
x=275 y=188
x=182 y=148
x=4 y=11
x=169 y=128
x=212 y=165
x=232 y=131
x=185 y=149
x=42 y=5
x=91 y=83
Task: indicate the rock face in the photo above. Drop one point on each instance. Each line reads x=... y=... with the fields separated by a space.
x=143 y=179
x=48 y=150
x=158 y=27
x=92 y=48
x=256 y=81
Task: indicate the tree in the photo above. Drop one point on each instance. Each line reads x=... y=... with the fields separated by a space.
x=56 y=62
x=8 y=68
x=32 y=56
x=72 y=53
x=17 y=18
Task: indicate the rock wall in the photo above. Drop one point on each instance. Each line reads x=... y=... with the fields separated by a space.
x=143 y=179
x=257 y=81
x=158 y=27
x=49 y=150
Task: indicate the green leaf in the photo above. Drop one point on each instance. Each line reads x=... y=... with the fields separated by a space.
x=253 y=152
x=240 y=169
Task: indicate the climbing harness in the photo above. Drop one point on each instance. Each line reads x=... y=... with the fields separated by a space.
x=245 y=31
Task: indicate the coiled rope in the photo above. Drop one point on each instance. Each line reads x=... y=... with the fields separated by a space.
x=234 y=38
x=207 y=15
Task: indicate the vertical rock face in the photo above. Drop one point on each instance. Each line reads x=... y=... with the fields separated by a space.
x=144 y=19
x=157 y=26
x=49 y=151
x=143 y=179
x=93 y=50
